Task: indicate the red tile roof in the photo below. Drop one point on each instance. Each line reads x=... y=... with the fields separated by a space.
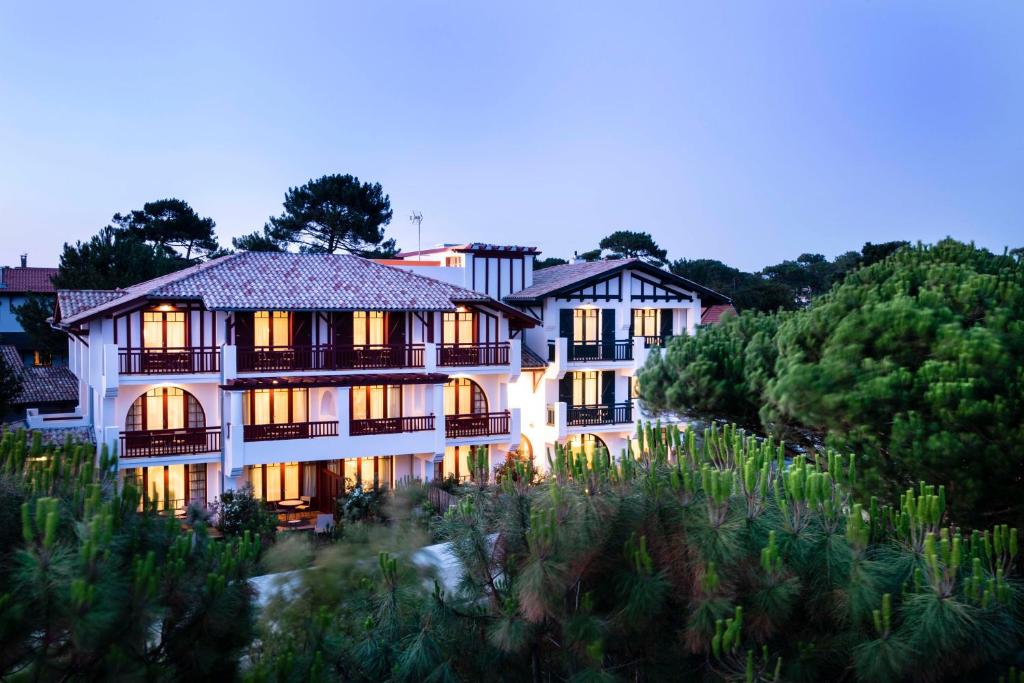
x=710 y=315
x=27 y=280
x=286 y=281
x=41 y=385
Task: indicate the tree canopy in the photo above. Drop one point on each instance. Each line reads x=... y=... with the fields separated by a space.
x=631 y=244
x=330 y=214
x=539 y=263
x=113 y=258
x=10 y=385
x=912 y=362
x=170 y=224
x=32 y=315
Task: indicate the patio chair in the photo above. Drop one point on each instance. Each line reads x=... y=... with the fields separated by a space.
x=324 y=523
x=306 y=502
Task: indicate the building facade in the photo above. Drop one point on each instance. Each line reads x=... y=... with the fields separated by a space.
x=17 y=284
x=302 y=375
x=599 y=322
x=297 y=374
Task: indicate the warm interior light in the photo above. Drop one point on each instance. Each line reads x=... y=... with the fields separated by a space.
x=165 y=307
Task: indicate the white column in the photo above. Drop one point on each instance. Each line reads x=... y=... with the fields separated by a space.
x=515 y=359
x=344 y=412
x=430 y=357
x=232 y=435
x=436 y=407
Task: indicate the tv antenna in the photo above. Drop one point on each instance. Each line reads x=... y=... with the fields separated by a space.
x=417 y=218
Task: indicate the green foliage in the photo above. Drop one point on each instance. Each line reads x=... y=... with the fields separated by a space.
x=10 y=385
x=241 y=512
x=912 y=362
x=708 y=556
x=359 y=505
x=97 y=584
x=788 y=285
x=32 y=316
x=332 y=213
x=721 y=372
x=539 y=263
x=630 y=244
x=169 y=225
x=113 y=258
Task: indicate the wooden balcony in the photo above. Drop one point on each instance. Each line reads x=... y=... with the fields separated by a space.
x=465 y=355
x=329 y=357
x=290 y=430
x=477 y=424
x=600 y=351
x=585 y=416
x=151 y=442
x=170 y=361
x=391 y=425
x=656 y=341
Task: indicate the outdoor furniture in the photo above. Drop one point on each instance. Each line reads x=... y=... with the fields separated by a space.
x=289 y=505
x=306 y=502
x=324 y=523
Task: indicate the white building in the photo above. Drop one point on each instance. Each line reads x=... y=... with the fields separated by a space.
x=599 y=322
x=300 y=374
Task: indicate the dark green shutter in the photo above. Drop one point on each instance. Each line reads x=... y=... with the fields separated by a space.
x=565 y=389
x=302 y=328
x=342 y=328
x=396 y=327
x=243 y=329
x=565 y=324
x=608 y=387
x=608 y=333
x=666 y=324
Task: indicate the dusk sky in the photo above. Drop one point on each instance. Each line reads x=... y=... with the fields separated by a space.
x=745 y=132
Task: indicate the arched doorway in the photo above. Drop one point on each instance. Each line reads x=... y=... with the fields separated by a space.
x=587 y=445
x=525 y=450
x=463 y=396
x=165 y=408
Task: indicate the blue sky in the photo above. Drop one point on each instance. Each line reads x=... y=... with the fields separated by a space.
x=746 y=132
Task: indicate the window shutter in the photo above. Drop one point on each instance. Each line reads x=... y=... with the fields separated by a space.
x=565 y=324
x=565 y=389
x=608 y=333
x=302 y=328
x=608 y=387
x=342 y=325
x=666 y=324
x=396 y=327
x=243 y=328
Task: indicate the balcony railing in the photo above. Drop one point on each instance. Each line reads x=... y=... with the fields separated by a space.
x=600 y=350
x=583 y=416
x=473 y=354
x=476 y=424
x=391 y=425
x=330 y=357
x=150 y=442
x=290 y=430
x=655 y=341
x=169 y=361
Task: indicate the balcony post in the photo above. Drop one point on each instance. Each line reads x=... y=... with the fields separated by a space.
x=557 y=369
x=561 y=419
x=344 y=412
x=430 y=357
x=515 y=427
x=228 y=362
x=640 y=353
x=232 y=436
x=111 y=370
x=515 y=359
x=435 y=406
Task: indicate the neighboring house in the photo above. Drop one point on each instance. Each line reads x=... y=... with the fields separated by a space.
x=600 y=321
x=712 y=315
x=44 y=390
x=16 y=285
x=297 y=374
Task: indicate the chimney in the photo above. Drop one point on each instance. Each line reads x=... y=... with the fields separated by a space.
x=24 y=260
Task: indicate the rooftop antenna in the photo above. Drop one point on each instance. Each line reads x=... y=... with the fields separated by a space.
x=417 y=218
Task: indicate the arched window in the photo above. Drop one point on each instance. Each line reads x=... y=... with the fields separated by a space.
x=462 y=396
x=588 y=445
x=165 y=408
x=327 y=406
x=525 y=450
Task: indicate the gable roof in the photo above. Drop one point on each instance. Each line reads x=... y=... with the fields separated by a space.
x=710 y=315
x=568 y=276
x=27 y=280
x=283 y=281
x=71 y=302
x=40 y=385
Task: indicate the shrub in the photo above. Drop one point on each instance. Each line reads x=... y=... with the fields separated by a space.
x=239 y=511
